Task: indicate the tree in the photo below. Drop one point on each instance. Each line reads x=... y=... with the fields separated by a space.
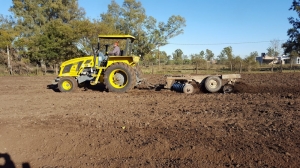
x=222 y=58
x=197 y=59
x=131 y=18
x=273 y=51
x=163 y=57
x=33 y=15
x=186 y=60
x=237 y=63
x=227 y=56
x=178 y=57
x=250 y=61
x=7 y=32
x=209 y=55
x=55 y=44
x=87 y=31
x=7 y=36
x=293 y=43
x=34 y=18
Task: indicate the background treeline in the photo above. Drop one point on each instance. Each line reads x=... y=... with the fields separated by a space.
x=49 y=32
x=45 y=33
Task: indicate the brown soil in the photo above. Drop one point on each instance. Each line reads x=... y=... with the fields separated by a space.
x=256 y=126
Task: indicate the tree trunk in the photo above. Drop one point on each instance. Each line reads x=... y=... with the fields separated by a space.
x=56 y=70
x=37 y=69
x=240 y=67
x=8 y=61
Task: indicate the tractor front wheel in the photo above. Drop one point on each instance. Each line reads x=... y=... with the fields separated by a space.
x=67 y=84
x=119 y=77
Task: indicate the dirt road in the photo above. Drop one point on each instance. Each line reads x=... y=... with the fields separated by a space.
x=257 y=126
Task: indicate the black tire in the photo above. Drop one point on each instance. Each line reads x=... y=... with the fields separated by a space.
x=228 y=88
x=213 y=84
x=67 y=84
x=119 y=77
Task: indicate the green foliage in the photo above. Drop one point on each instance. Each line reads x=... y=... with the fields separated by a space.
x=131 y=18
x=209 y=55
x=7 y=32
x=55 y=44
x=198 y=59
x=271 y=52
x=186 y=60
x=226 y=57
x=236 y=62
x=250 y=61
x=57 y=30
x=45 y=28
x=293 y=43
x=221 y=58
x=228 y=53
x=178 y=57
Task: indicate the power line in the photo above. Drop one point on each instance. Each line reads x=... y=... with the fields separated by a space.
x=224 y=43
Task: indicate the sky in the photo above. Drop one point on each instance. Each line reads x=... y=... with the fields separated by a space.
x=245 y=25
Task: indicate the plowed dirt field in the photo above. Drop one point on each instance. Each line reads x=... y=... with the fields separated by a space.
x=256 y=126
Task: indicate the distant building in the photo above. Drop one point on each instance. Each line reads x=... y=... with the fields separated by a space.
x=296 y=60
x=265 y=59
x=283 y=59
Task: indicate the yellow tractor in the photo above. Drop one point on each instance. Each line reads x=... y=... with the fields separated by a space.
x=118 y=73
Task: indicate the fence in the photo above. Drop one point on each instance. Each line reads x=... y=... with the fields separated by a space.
x=215 y=69
x=162 y=69
x=28 y=70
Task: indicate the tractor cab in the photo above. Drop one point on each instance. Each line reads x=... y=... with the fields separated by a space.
x=103 y=59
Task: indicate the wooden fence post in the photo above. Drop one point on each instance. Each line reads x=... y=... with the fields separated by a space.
x=37 y=66
x=152 y=68
x=240 y=67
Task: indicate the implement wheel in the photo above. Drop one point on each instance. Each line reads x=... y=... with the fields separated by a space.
x=228 y=88
x=119 y=77
x=213 y=84
x=67 y=84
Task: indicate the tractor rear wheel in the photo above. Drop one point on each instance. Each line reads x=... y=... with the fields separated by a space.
x=67 y=84
x=213 y=84
x=119 y=77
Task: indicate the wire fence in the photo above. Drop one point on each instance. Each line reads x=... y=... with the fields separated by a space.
x=161 y=69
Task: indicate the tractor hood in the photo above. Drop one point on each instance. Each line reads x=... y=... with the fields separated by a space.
x=73 y=66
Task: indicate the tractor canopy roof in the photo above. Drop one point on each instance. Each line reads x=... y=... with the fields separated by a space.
x=117 y=37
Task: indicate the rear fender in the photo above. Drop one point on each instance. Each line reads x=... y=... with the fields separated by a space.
x=130 y=60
